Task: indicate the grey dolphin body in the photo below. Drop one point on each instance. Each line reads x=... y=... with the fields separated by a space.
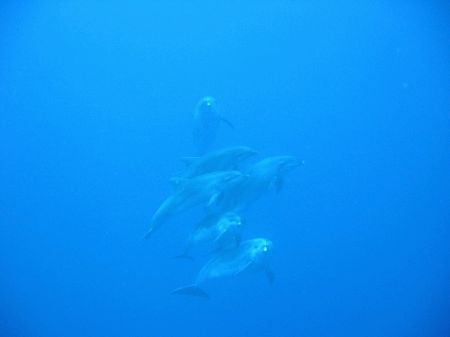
x=207 y=121
x=270 y=172
x=218 y=231
x=220 y=160
x=265 y=175
x=204 y=189
x=250 y=254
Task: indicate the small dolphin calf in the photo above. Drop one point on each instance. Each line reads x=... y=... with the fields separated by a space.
x=218 y=232
x=251 y=254
x=220 y=160
x=204 y=189
x=207 y=121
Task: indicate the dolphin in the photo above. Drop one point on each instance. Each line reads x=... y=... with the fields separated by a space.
x=204 y=189
x=207 y=121
x=250 y=254
x=220 y=160
x=264 y=176
x=222 y=231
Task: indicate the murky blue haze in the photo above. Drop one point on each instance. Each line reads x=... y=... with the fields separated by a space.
x=96 y=104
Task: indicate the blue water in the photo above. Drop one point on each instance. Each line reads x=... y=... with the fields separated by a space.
x=96 y=104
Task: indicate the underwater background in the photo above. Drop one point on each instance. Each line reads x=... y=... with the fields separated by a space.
x=96 y=106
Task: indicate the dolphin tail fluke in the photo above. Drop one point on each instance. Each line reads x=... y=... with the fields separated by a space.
x=191 y=290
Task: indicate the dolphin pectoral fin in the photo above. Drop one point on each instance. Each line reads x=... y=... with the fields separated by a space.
x=270 y=275
x=191 y=290
x=227 y=122
x=214 y=201
x=278 y=184
x=189 y=160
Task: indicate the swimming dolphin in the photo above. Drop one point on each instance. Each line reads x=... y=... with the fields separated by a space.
x=265 y=175
x=220 y=160
x=250 y=254
x=219 y=231
x=204 y=189
x=207 y=121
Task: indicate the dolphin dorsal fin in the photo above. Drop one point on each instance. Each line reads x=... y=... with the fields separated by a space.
x=188 y=160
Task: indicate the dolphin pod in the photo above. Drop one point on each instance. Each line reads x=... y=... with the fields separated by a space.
x=224 y=186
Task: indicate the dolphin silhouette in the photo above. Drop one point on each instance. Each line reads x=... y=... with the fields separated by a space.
x=207 y=121
x=204 y=189
x=250 y=254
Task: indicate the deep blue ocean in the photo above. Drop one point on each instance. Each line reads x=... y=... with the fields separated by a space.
x=96 y=105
